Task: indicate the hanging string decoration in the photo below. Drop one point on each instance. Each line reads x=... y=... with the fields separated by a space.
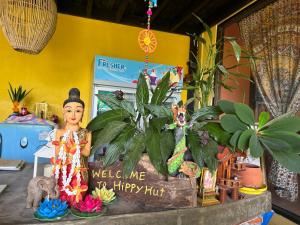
x=146 y=39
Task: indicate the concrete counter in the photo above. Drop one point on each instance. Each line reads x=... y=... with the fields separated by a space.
x=12 y=209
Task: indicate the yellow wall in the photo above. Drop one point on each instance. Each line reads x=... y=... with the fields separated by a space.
x=67 y=60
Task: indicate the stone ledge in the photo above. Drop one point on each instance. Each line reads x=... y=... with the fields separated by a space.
x=226 y=214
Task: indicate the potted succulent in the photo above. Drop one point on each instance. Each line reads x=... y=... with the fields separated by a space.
x=16 y=96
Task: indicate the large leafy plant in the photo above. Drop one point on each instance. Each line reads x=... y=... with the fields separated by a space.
x=278 y=136
x=130 y=131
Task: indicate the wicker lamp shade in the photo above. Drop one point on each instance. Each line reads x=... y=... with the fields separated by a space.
x=28 y=24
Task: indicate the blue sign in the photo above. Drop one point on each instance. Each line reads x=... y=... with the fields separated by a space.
x=128 y=71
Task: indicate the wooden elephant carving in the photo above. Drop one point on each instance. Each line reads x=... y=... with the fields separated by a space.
x=39 y=188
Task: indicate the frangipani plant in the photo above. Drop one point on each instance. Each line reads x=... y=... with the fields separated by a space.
x=278 y=136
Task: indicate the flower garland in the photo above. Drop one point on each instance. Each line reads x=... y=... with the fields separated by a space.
x=75 y=164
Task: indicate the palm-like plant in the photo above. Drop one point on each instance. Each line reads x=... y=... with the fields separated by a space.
x=17 y=95
x=205 y=71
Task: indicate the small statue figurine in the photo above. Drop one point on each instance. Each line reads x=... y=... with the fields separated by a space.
x=153 y=77
x=39 y=188
x=176 y=163
x=72 y=147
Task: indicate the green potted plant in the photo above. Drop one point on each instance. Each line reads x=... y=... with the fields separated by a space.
x=278 y=136
x=17 y=95
x=131 y=132
x=204 y=73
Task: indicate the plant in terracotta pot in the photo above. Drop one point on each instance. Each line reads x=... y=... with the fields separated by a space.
x=16 y=96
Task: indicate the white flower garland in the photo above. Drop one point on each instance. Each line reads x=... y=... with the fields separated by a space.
x=62 y=155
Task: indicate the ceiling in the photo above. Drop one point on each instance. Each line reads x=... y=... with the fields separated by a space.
x=171 y=15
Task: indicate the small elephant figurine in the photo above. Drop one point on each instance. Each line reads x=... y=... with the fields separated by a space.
x=40 y=187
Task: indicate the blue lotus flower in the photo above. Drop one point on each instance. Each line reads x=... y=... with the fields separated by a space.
x=51 y=208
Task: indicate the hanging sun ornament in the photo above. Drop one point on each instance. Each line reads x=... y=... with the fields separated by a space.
x=146 y=39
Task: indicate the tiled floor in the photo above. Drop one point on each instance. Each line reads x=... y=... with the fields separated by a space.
x=280 y=220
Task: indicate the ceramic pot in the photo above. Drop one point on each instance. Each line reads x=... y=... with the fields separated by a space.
x=252 y=176
x=16 y=107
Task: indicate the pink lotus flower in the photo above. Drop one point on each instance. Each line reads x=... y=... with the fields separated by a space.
x=89 y=205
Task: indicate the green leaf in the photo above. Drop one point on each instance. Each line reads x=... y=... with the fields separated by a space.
x=152 y=141
x=207 y=112
x=161 y=90
x=223 y=69
x=217 y=133
x=291 y=124
x=128 y=106
x=275 y=144
x=106 y=117
x=207 y=28
x=110 y=100
x=209 y=151
x=231 y=123
x=288 y=159
x=291 y=138
x=142 y=93
x=256 y=150
x=243 y=142
x=11 y=98
x=135 y=151
x=159 y=110
x=158 y=123
x=116 y=148
x=236 y=48
x=226 y=106
x=277 y=119
x=263 y=119
x=244 y=113
x=234 y=139
x=108 y=133
x=167 y=145
x=195 y=148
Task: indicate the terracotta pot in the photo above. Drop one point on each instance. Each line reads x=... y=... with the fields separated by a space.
x=252 y=176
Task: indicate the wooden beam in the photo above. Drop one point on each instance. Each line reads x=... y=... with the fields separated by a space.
x=89 y=8
x=159 y=9
x=121 y=10
x=189 y=12
x=110 y=3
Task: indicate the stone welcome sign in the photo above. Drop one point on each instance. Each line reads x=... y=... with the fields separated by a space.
x=145 y=186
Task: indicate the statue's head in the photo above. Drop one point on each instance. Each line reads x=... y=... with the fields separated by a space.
x=73 y=107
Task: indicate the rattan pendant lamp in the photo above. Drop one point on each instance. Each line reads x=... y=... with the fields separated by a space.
x=28 y=24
